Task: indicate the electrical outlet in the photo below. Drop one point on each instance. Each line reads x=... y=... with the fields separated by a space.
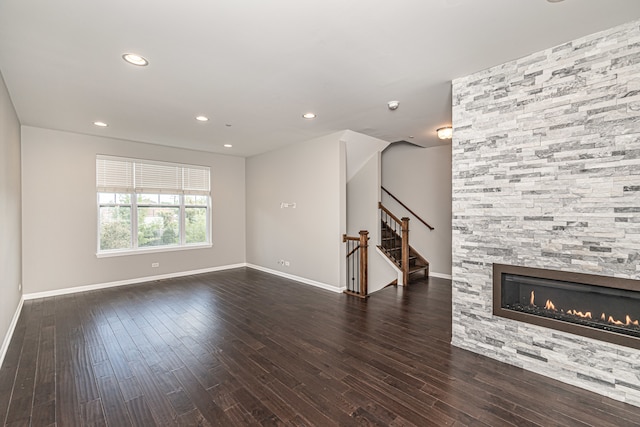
x=155 y=264
x=287 y=263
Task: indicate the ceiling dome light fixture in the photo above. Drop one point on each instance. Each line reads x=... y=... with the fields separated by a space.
x=393 y=105
x=309 y=116
x=202 y=118
x=228 y=145
x=445 y=132
x=100 y=124
x=135 y=59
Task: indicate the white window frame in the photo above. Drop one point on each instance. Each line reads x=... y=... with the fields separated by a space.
x=119 y=180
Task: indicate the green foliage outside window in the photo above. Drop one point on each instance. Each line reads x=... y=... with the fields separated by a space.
x=158 y=226
x=158 y=220
x=196 y=225
x=115 y=227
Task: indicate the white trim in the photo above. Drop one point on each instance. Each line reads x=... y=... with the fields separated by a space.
x=395 y=267
x=97 y=286
x=152 y=250
x=128 y=282
x=298 y=279
x=10 y=331
x=441 y=275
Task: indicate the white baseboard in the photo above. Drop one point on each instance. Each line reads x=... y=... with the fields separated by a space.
x=10 y=331
x=440 y=275
x=65 y=291
x=127 y=282
x=298 y=279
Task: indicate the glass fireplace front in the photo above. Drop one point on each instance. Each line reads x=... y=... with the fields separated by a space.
x=599 y=307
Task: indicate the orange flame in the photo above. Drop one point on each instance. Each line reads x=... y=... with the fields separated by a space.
x=614 y=321
x=627 y=321
x=532 y=298
x=587 y=315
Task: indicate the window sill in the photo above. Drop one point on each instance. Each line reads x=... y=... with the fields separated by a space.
x=151 y=250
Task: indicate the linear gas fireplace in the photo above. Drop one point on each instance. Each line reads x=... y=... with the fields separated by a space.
x=599 y=307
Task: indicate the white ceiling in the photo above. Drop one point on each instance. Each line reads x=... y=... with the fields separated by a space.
x=258 y=65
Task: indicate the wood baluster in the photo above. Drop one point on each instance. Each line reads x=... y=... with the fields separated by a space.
x=364 y=262
x=357 y=264
x=405 y=251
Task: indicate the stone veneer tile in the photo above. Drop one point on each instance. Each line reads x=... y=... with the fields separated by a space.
x=546 y=173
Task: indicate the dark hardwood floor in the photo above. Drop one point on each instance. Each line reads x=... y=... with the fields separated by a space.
x=241 y=347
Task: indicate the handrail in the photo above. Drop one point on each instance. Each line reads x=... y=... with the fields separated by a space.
x=345 y=238
x=407 y=208
x=388 y=212
x=399 y=240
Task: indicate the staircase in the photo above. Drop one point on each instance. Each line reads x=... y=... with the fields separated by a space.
x=391 y=246
x=394 y=243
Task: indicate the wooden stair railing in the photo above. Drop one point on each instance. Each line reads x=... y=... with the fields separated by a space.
x=357 y=264
x=391 y=234
x=394 y=243
x=407 y=208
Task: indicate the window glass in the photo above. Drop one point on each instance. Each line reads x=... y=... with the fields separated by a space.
x=114 y=198
x=196 y=225
x=106 y=198
x=192 y=200
x=169 y=199
x=147 y=199
x=115 y=227
x=158 y=199
x=158 y=226
x=123 y=198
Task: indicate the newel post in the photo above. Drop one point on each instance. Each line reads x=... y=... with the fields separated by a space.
x=405 y=251
x=364 y=260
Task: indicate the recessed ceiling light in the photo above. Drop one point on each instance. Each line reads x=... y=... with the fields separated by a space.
x=101 y=124
x=228 y=145
x=135 y=59
x=202 y=118
x=309 y=116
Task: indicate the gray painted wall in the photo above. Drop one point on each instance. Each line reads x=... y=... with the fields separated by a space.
x=10 y=212
x=363 y=195
x=312 y=175
x=60 y=219
x=421 y=178
x=546 y=173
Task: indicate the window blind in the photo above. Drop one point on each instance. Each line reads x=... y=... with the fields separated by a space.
x=114 y=175
x=123 y=175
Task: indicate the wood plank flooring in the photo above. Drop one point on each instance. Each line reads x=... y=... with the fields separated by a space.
x=244 y=348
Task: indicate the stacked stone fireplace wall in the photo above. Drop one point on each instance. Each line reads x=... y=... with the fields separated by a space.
x=546 y=173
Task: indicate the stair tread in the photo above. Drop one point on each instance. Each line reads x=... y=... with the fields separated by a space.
x=389 y=235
